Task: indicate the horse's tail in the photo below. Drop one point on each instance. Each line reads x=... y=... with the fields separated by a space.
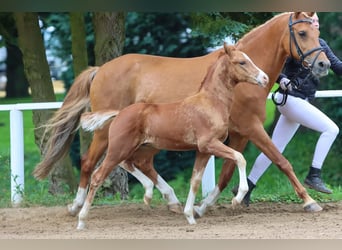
x=91 y=121
x=62 y=126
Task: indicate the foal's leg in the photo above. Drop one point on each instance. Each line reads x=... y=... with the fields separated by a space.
x=218 y=149
x=89 y=160
x=148 y=177
x=143 y=179
x=197 y=173
x=143 y=160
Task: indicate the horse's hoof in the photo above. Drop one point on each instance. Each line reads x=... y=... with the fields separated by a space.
x=191 y=220
x=147 y=200
x=197 y=212
x=176 y=208
x=312 y=207
x=80 y=225
x=73 y=211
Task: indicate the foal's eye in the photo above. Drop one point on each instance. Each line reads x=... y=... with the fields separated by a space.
x=242 y=63
x=302 y=33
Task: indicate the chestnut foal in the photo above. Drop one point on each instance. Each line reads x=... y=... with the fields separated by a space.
x=199 y=122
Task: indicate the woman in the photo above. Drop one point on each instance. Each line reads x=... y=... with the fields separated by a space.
x=297 y=111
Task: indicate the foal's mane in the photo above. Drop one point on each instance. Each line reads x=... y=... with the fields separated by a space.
x=211 y=68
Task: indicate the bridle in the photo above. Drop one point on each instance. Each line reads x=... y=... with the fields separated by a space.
x=301 y=55
x=299 y=51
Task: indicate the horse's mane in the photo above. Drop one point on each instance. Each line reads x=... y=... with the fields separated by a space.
x=256 y=29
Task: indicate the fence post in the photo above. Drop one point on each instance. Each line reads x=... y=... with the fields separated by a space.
x=208 y=179
x=17 y=156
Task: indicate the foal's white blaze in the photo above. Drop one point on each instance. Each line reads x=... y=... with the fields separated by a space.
x=262 y=77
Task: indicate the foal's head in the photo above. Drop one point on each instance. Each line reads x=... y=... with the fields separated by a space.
x=242 y=68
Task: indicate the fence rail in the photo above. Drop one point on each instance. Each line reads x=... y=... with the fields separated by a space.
x=17 y=145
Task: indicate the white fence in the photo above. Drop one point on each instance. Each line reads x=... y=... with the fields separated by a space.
x=17 y=145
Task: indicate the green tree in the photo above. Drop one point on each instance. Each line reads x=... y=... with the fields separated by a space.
x=17 y=84
x=109 y=28
x=37 y=72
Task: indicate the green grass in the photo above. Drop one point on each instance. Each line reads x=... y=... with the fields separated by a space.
x=273 y=186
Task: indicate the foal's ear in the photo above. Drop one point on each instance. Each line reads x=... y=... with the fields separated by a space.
x=229 y=49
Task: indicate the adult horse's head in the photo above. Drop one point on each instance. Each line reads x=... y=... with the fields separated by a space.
x=304 y=44
x=243 y=69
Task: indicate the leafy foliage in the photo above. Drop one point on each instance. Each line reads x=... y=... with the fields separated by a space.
x=166 y=34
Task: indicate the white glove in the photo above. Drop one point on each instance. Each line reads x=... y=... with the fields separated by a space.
x=285 y=84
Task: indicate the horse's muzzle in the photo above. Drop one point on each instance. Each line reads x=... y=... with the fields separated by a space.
x=321 y=68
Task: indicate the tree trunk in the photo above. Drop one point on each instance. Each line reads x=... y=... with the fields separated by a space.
x=80 y=63
x=37 y=73
x=109 y=28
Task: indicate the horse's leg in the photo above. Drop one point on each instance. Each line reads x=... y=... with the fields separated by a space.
x=143 y=160
x=88 y=163
x=98 y=177
x=238 y=143
x=197 y=173
x=261 y=139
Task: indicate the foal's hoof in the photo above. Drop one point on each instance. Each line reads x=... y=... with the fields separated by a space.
x=235 y=203
x=312 y=207
x=176 y=208
x=147 y=200
x=198 y=213
x=72 y=210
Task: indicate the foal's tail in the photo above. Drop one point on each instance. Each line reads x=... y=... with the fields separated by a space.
x=61 y=128
x=91 y=121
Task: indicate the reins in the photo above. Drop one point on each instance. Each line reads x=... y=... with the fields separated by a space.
x=302 y=60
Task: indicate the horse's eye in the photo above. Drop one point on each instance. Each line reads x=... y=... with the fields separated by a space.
x=302 y=33
x=242 y=62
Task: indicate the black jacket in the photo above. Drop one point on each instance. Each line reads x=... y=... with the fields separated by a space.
x=305 y=83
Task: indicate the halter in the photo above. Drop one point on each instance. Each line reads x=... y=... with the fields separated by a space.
x=301 y=55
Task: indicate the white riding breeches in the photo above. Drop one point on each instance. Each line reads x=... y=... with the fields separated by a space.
x=294 y=113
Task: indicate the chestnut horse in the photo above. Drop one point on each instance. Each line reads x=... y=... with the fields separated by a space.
x=144 y=78
x=199 y=122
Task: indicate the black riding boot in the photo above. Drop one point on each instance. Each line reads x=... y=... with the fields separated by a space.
x=247 y=197
x=314 y=181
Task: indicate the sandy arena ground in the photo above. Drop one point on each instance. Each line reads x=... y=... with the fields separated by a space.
x=137 y=221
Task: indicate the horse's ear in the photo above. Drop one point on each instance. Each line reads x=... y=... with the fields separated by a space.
x=296 y=14
x=307 y=14
x=228 y=48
